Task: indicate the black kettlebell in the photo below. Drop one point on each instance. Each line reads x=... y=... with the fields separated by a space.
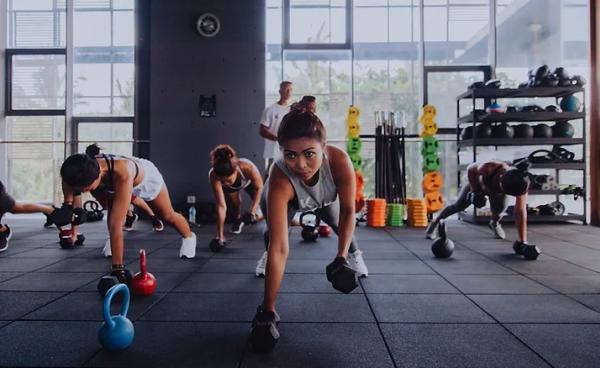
x=442 y=247
x=310 y=231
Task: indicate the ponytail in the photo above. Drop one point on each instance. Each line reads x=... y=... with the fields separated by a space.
x=92 y=150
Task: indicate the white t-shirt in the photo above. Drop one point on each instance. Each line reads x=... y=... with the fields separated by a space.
x=271 y=117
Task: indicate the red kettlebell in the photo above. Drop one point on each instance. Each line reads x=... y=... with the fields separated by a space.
x=143 y=283
x=324 y=230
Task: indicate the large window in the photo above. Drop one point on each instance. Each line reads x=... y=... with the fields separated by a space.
x=386 y=54
x=53 y=112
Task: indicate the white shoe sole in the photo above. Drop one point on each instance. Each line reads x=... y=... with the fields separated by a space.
x=238 y=231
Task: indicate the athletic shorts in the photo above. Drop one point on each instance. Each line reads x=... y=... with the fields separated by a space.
x=152 y=184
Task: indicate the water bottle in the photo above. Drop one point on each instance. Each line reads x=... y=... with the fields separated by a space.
x=192 y=214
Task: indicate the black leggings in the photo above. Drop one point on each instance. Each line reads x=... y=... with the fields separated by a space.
x=329 y=214
x=497 y=204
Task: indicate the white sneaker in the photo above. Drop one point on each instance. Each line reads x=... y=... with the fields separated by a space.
x=261 y=265
x=497 y=230
x=432 y=231
x=106 y=251
x=188 y=247
x=357 y=263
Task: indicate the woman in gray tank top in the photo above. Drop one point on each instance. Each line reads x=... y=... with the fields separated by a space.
x=310 y=175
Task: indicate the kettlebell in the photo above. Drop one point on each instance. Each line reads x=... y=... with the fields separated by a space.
x=324 y=230
x=442 y=247
x=117 y=331
x=143 y=283
x=310 y=232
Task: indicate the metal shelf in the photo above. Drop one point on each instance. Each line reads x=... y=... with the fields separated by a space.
x=519 y=92
x=521 y=117
x=519 y=141
x=576 y=165
x=469 y=217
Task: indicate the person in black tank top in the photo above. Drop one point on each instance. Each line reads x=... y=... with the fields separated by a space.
x=120 y=177
x=494 y=180
x=302 y=140
x=101 y=195
x=228 y=176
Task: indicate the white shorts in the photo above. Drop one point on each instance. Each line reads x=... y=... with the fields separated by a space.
x=152 y=184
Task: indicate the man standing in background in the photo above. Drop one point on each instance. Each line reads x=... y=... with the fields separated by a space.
x=269 y=123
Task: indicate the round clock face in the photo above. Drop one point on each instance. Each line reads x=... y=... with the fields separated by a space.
x=208 y=25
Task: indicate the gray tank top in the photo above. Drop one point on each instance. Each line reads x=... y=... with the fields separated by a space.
x=322 y=194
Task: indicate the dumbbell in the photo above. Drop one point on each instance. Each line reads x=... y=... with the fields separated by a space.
x=216 y=245
x=116 y=277
x=66 y=240
x=529 y=251
x=341 y=276
x=264 y=333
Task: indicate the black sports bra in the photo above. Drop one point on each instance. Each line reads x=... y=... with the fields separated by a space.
x=110 y=163
x=488 y=179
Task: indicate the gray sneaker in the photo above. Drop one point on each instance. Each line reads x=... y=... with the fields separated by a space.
x=432 y=231
x=497 y=230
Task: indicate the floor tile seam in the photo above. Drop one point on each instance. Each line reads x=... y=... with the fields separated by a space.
x=486 y=312
x=566 y=240
x=527 y=276
x=379 y=329
x=168 y=292
x=512 y=334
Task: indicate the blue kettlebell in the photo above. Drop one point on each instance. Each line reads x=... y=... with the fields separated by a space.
x=117 y=331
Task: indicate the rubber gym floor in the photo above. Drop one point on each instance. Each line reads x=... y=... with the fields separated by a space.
x=484 y=307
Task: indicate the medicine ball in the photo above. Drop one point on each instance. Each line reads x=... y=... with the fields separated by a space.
x=467 y=133
x=484 y=131
x=570 y=104
x=523 y=131
x=503 y=131
x=563 y=129
x=542 y=131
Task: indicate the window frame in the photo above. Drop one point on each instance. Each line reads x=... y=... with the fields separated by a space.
x=8 y=84
x=286 y=30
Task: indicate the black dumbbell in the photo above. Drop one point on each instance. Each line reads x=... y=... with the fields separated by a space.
x=105 y=283
x=216 y=245
x=518 y=247
x=66 y=242
x=531 y=252
x=264 y=333
x=310 y=231
x=122 y=276
x=249 y=218
x=341 y=276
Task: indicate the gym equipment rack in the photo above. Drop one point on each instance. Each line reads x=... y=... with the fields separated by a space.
x=474 y=117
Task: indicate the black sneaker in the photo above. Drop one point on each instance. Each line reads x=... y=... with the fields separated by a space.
x=4 y=238
x=48 y=222
x=157 y=225
x=129 y=221
x=237 y=226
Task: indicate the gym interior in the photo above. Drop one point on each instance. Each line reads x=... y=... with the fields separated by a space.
x=299 y=183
